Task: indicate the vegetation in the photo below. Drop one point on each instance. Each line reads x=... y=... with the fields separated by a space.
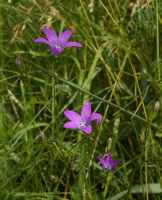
x=118 y=70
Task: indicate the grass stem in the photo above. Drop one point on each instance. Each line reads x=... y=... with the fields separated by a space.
x=53 y=96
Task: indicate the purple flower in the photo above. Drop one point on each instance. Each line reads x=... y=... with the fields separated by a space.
x=81 y=122
x=108 y=163
x=57 y=44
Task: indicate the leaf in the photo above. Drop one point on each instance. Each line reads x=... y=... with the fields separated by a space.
x=4 y=111
x=152 y=188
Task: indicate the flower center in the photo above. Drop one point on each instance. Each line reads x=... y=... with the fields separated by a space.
x=82 y=125
x=57 y=47
x=108 y=166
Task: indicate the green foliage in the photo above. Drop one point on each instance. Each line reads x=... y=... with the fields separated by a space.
x=118 y=70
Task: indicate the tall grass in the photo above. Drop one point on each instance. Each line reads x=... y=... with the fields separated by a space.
x=118 y=70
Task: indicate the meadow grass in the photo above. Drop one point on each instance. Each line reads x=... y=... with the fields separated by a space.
x=118 y=70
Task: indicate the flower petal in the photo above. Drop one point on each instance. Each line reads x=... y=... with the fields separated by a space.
x=112 y=168
x=42 y=40
x=51 y=36
x=72 y=44
x=55 y=51
x=109 y=158
x=102 y=162
x=94 y=116
x=100 y=158
x=71 y=125
x=58 y=52
x=73 y=116
x=87 y=129
x=63 y=38
x=114 y=162
x=86 y=111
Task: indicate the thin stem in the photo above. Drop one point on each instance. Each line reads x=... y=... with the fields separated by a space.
x=157 y=39
x=155 y=154
x=146 y=167
x=93 y=152
x=53 y=95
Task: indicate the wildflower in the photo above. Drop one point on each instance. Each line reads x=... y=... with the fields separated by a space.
x=81 y=122
x=108 y=163
x=57 y=44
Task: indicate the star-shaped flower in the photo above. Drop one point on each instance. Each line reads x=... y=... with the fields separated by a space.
x=57 y=44
x=81 y=122
x=108 y=163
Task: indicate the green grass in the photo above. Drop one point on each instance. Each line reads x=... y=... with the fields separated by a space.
x=118 y=70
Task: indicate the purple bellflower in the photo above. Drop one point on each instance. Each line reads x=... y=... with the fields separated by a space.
x=57 y=44
x=108 y=163
x=81 y=122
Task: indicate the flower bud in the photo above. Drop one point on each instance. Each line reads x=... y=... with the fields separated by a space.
x=109 y=144
x=52 y=177
x=157 y=106
x=18 y=62
x=41 y=135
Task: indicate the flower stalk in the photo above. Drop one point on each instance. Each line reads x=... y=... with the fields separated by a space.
x=53 y=96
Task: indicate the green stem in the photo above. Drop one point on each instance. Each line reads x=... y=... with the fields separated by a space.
x=155 y=154
x=157 y=40
x=146 y=157
x=53 y=95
